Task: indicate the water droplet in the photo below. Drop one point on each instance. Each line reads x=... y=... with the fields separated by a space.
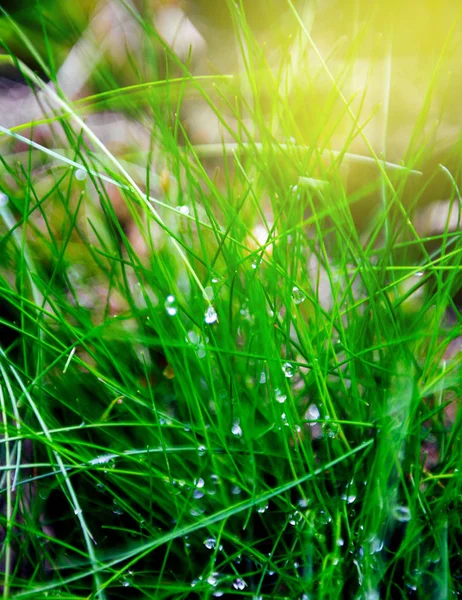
x=239 y=584
x=117 y=509
x=371 y=595
x=100 y=487
x=199 y=483
x=280 y=396
x=213 y=579
x=202 y=450
x=402 y=513
x=198 y=494
x=193 y=337
x=218 y=594
x=262 y=506
x=295 y=518
x=236 y=429
x=262 y=377
x=170 y=305
x=330 y=428
x=3 y=199
x=211 y=315
x=103 y=460
x=77 y=511
x=297 y=295
x=184 y=210
x=81 y=174
x=126 y=582
x=236 y=490
x=210 y=543
x=288 y=369
x=340 y=542
x=209 y=293
x=312 y=414
x=350 y=494
x=374 y=544
x=324 y=517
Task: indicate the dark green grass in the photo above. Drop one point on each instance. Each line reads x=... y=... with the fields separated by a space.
x=262 y=433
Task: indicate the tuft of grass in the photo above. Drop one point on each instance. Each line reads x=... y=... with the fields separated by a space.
x=234 y=385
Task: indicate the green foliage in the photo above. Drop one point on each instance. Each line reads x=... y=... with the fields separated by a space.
x=238 y=398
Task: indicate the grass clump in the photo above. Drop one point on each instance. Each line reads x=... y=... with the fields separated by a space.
x=227 y=368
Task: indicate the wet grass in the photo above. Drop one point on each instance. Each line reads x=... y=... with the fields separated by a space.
x=246 y=406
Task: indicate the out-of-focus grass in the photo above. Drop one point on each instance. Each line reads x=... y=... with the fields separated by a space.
x=236 y=401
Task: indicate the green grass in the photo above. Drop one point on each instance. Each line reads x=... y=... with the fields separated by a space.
x=243 y=408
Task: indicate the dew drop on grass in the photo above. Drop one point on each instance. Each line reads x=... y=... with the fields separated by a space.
x=313 y=414
x=236 y=429
x=126 y=582
x=324 y=517
x=170 y=305
x=236 y=490
x=330 y=428
x=3 y=200
x=402 y=513
x=184 y=210
x=295 y=518
x=103 y=460
x=80 y=174
x=198 y=494
x=100 y=487
x=239 y=584
x=349 y=495
x=262 y=377
x=371 y=595
x=202 y=450
x=210 y=316
x=218 y=594
x=209 y=293
x=288 y=369
x=280 y=396
x=212 y=579
x=374 y=544
x=297 y=295
x=116 y=508
x=262 y=506
x=210 y=543
x=193 y=337
x=77 y=511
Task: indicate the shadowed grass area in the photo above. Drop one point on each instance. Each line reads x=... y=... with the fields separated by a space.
x=228 y=367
